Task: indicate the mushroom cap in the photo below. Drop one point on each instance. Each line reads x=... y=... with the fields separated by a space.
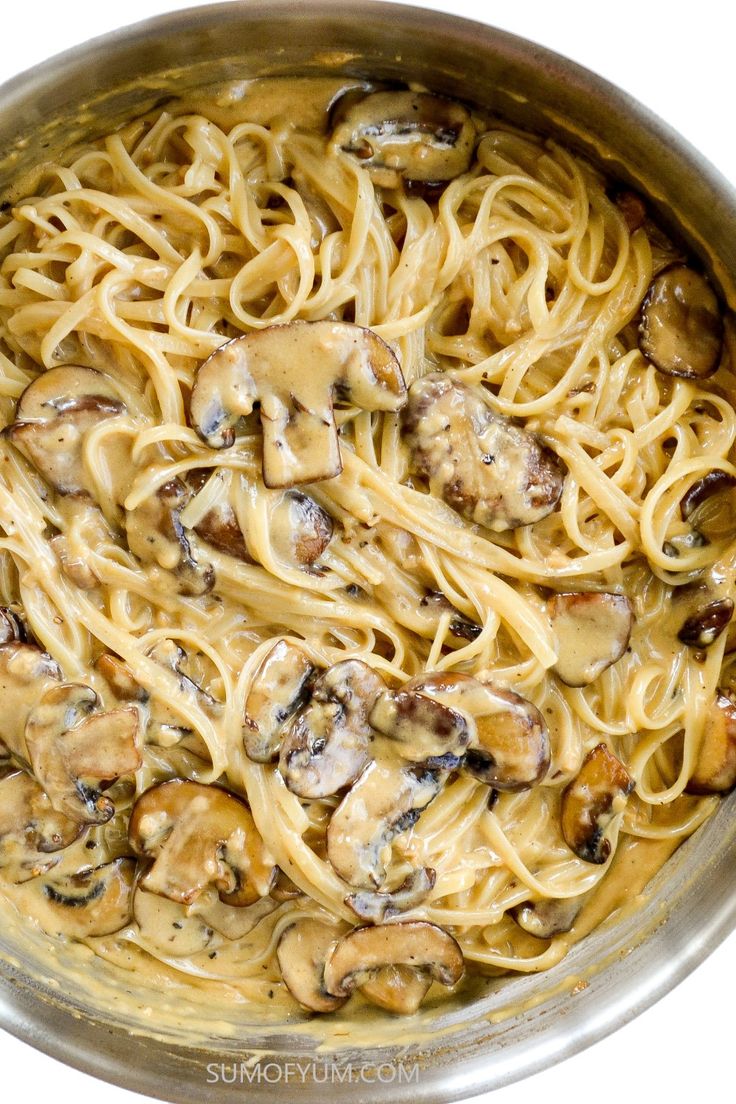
x=295 y=371
x=32 y=832
x=681 y=329
x=279 y=687
x=156 y=536
x=301 y=954
x=411 y=136
x=715 y=768
x=509 y=745
x=199 y=836
x=548 y=917
x=384 y=801
x=593 y=629
x=415 y=943
x=491 y=471
x=26 y=673
x=399 y=989
x=52 y=417
x=377 y=906
x=94 y=901
x=590 y=802
x=325 y=746
x=76 y=753
x=423 y=729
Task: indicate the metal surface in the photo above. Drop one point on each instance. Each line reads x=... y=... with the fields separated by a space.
x=692 y=904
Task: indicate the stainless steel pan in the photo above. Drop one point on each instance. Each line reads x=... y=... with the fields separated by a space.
x=512 y=1028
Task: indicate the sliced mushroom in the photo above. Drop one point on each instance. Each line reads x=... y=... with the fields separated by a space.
x=715 y=770
x=436 y=602
x=301 y=954
x=421 y=728
x=410 y=136
x=283 y=889
x=325 y=747
x=295 y=372
x=119 y=677
x=493 y=472
x=300 y=529
x=199 y=836
x=590 y=802
x=52 y=417
x=219 y=525
x=377 y=906
x=681 y=329
x=169 y=926
x=184 y=930
x=280 y=686
x=94 y=901
x=26 y=673
x=633 y=210
x=703 y=628
x=713 y=483
x=12 y=626
x=384 y=802
x=593 y=631
x=32 y=832
x=399 y=989
x=156 y=536
x=509 y=746
x=548 y=917
x=418 y=944
x=76 y=753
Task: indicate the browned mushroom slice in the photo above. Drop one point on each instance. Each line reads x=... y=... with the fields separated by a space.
x=593 y=631
x=325 y=746
x=411 y=136
x=295 y=372
x=493 y=472
x=712 y=484
x=681 y=329
x=156 y=536
x=76 y=753
x=300 y=529
x=169 y=925
x=590 y=802
x=436 y=603
x=509 y=747
x=715 y=770
x=301 y=954
x=183 y=930
x=416 y=943
x=12 y=626
x=280 y=686
x=377 y=906
x=422 y=729
x=219 y=525
x=384 y=802
x=119 y=677
x=199 y=836
x=94 y=901
x=399 y=989
x=632 y=208
x=548 y=917
x=283 y=889
x=31 y=830
x=26 y=673
x=703 y=628
x=52 y=417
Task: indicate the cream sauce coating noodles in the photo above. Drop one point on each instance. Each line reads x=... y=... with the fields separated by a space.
x=160 y=570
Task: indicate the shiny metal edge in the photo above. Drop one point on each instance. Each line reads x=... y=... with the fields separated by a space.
x=681 y=182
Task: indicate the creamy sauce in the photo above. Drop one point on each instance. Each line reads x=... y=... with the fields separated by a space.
x=219 y=555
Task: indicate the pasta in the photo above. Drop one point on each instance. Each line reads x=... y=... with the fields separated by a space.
x=151 y=556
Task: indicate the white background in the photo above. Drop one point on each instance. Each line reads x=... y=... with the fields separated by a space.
x=679 y=60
